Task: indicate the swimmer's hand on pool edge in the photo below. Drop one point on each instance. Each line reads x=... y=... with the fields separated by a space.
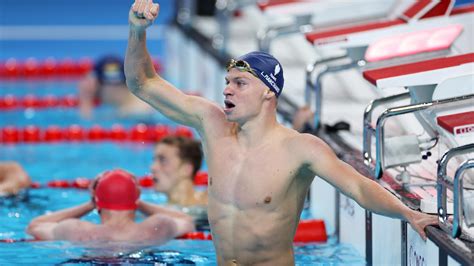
x=143 y=13
x=419 y=221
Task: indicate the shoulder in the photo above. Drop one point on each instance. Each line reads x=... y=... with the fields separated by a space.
x=303 y=141
x=73 y=229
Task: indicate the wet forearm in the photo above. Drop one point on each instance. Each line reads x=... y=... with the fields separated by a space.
x=74 y=212
x=138 y=64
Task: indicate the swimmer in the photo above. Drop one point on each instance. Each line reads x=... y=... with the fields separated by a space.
x=115 y=194
x=107 y=83
x=176 y=161
x=259 y=170
x=13 y=178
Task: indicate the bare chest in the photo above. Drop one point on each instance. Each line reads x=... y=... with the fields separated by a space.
x=251 y=179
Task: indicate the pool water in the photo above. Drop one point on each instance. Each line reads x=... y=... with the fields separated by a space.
x=45 y=162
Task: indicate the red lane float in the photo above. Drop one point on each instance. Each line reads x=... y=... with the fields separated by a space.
x=33 y=68
x=50 y=67
x=11 y=102
x=307 y=231
x=75 y=133
x=83 y=183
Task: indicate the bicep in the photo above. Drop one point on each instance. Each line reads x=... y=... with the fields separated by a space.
x=173 y=103
x=325 y=164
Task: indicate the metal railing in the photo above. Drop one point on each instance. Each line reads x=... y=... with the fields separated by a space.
x=396 y=111
x=316 y=87
x=456 y=185
x=368 y=130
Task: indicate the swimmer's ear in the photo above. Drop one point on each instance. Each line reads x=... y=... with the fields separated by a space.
x=269 y=94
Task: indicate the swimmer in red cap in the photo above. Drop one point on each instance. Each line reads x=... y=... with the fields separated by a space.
x=107 y=83
x=115 y=194
x=13 y=178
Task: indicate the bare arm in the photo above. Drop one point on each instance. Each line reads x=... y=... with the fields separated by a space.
x=13 y=178
x=182 y=222
x=143 y=81
x=43 y=227
x=366 y=192
x=88 y=87
x=150 y=209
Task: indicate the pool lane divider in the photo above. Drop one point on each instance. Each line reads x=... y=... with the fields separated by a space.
x=32 y=68
x=147 y=181
x=308 y=231
x=96 y=133
x=12 y=102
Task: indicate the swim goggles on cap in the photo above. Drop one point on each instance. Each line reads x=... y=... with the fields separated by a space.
x=241 y=65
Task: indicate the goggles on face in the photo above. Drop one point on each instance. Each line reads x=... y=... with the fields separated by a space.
x=241 y=65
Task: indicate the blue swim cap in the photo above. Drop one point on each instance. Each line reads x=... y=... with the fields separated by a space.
x=110 y=70
x=267 y=68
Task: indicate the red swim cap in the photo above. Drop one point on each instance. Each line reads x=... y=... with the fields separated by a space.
x=117 y=190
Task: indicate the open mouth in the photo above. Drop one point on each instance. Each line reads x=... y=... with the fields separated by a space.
x=228 y=105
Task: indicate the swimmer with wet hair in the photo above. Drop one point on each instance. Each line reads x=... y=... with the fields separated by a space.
x=259 y=170
x=176 y=160
x=13 y=178
x=115 y=194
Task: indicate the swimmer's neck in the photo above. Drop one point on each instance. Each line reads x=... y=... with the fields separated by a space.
x=117 y=218
x=254 y=132
x=182 y=193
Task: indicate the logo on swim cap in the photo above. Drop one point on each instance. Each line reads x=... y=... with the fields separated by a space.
x=268 y=68
x=277 y=69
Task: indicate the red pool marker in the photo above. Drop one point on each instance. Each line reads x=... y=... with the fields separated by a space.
x=70 y=100
x=84 y=65
x=195 y=236
x=31 y=134
x=139 y=132
x=118 y=133
x=311 y=231
x=31 y=68
x=200 y=179
x=50 y=101
x=81 y=183
x=146 y=181
x=96 y=133
x=53 y=133
x=9 y=102
x=74 y=133
x=49 y=67
x=31 y=101
x=10 y=134
x=11 y=68
x=59 y=184
x=156 y=133
x=183 y=132
x=66 y=67
x=35 y=185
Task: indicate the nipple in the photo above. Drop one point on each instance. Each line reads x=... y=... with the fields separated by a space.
x=267 y=200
